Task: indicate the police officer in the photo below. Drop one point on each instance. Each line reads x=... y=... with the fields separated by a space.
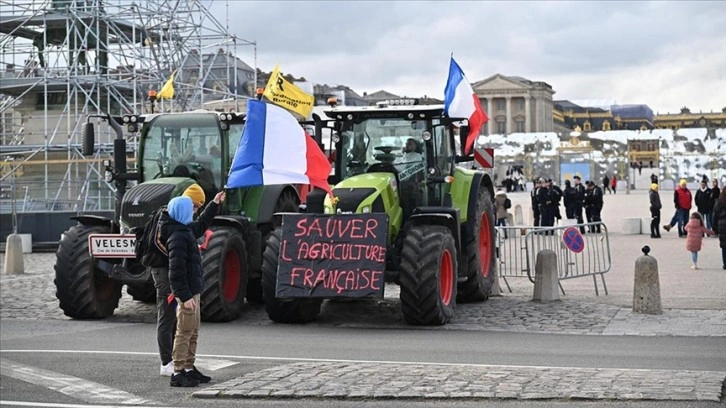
x=546 y=205
x=535 y=202
x=570 y=197
x=579 y=201
x=556 y=194
x=593 y=204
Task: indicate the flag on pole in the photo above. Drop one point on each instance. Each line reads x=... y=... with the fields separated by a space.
x=167 y=91
x=284 y=93
x=275 y=149
x=460 y=101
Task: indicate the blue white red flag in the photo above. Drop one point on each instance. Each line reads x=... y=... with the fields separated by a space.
x=460 y=101
x=275 y=149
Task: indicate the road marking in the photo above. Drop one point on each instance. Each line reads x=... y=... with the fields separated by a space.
x=320 y=360
x=75 y=387
x=53 y=405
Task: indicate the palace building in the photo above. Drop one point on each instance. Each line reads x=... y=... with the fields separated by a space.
x=686 y=119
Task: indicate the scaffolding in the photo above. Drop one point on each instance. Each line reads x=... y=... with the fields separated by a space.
x=62 y=60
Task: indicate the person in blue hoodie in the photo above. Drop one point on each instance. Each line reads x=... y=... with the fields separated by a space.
x=187 y=281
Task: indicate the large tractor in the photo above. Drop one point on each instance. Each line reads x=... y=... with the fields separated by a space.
x=396 y=165
x=96 y=258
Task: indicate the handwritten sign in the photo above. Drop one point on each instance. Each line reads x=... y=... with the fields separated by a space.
x=324 y=256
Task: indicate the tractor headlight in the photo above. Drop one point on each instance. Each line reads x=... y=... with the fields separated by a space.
x=426 y=135
x=336 y=138
x=366 y=210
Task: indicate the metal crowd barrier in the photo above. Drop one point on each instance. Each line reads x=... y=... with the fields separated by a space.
x=517 y=248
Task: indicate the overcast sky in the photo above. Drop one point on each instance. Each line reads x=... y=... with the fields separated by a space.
x=663 y=54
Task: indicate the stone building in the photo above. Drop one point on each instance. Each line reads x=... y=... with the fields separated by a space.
x=686 y=119
x=515 y=104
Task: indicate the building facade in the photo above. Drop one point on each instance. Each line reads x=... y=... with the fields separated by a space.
x=515 y=104
x=686 y=119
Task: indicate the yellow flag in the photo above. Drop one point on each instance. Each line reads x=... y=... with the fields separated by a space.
x=284 y=93
x=167 y=91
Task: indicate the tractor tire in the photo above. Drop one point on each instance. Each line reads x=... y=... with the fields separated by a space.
x=285 y=203
x=83 y=291
x=428 y=275
x=283 y=310
x=224 y=262
x=481 y=265
x=142 y=292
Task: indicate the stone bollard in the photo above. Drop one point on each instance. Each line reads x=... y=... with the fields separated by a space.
x=496 y=290
x=646 y=288
x=14 y=255
x=546 y=281
x=518 y=215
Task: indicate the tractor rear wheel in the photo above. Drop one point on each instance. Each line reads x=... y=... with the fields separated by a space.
x=224 y=262
x=283 y=310
x=481 y=265
x=287 y=202
x=428 y=275
x=83 y=290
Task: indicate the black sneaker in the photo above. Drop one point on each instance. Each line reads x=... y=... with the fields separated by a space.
x=183 y=379
x=195 y=374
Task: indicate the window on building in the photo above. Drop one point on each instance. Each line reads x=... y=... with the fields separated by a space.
x=587 y=126
x=502 y=128
x=606 y=125
x=519 y=104
x=501 y=104
x=519 y=126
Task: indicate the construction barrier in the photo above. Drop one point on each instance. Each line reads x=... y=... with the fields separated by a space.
x=578 y=254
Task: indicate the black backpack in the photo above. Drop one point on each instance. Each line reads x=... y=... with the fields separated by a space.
x=507 y=203
x=150 y=249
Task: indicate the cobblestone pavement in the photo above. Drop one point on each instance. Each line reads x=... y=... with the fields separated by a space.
x=32 y=296
x=435 y=381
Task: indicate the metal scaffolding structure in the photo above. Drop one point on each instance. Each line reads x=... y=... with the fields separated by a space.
x=62 y=60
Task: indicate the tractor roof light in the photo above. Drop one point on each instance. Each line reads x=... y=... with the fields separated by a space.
x=126 y=119
x=332 y=101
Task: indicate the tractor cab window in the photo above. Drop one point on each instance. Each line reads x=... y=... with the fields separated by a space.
x=186 y=145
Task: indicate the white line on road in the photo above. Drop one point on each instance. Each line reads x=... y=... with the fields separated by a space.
x=75 y=387
x=321 y=360
x=53 y=405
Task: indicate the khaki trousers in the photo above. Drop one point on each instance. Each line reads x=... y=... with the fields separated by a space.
x=187 y=332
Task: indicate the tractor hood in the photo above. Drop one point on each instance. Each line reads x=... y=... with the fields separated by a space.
x=143 y=199
x=370 y=192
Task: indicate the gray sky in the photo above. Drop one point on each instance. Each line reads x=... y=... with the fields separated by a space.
x=664 y=54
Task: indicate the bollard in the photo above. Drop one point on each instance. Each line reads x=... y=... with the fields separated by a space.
x=14 y=255
x=518 y=215
x=496 y=290
x=646 y=288
x=546 y=281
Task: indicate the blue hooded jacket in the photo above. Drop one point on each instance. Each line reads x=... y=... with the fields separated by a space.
x=181 y=209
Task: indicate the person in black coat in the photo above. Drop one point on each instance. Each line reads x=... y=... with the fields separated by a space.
x=655 y=206
x=570 y=200
x=186 y=276
x=704 y=203
x=579 y=201
x=719 y=223
x=593 y=205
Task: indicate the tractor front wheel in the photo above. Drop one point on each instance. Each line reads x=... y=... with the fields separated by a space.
x=224 y=261
x=283 y=310
x=428 y=275
x=479 y=253
x=83 y=290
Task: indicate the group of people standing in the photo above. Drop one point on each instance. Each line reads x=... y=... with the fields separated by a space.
x=708 y=219
x=546 y=197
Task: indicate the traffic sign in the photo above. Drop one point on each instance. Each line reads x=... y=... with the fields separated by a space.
x=484 y=156
x=573 y=240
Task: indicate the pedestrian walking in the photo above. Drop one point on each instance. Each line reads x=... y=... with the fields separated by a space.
x=655 y=206
x=187 y=282
x=682 y=200
x=614 y=183
x=653 y=178
x=704 y=203
x=694 y=241
x=719 y=223
x=166 y=306
x=501 y=204
x=606 y=184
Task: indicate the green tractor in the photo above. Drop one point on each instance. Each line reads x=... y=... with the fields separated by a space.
x=95 y=258
x=400 y=164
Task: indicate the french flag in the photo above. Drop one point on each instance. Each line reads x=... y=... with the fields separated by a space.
x=275 y=149
x=460 y=101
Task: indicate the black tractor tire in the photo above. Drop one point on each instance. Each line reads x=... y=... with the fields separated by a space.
x=428 y=275
x=83 y=290
x=283 y=310
x=224 y=262
x=142 y=292
x=481 y=263
x=287 y=202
